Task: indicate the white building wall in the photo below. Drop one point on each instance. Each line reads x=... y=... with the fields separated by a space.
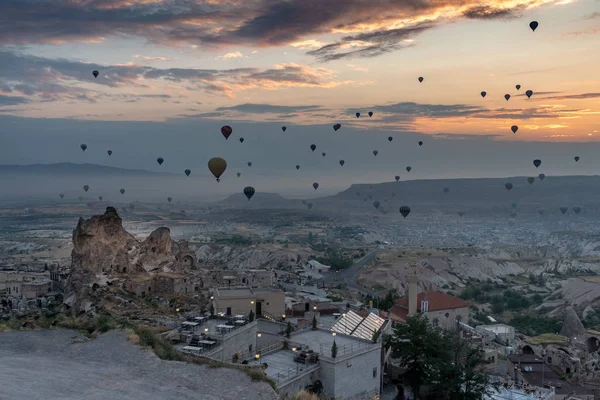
x=352 y=377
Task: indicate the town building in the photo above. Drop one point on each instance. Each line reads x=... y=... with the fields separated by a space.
x=531 y=369
x=263 y=302
x=440 y=308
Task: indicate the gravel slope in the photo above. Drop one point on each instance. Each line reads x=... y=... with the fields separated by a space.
x=53 y=365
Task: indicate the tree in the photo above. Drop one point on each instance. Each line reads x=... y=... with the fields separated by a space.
x=251 y=316
x=461 y=377
x=212 y=310
x=314 y=323
x=416 y=344
x=334 y=350
x=288 y=330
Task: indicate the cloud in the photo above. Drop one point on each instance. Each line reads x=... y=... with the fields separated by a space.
x=310 y=44
x=593 y=15
x=489 y=12
x=231 y=56
x=429 y=110
x=218 y=24
x=12 y=100
x=369 y=44
x=150 y=59
x=357 y=68
x=55 y=79
x=572 y=96
x=250 y=108
x=464 y=136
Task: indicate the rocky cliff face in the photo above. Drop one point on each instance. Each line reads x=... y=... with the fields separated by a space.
x=103 y=251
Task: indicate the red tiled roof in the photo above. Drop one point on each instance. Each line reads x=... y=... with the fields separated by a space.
x=436 y=301
x=398 y=313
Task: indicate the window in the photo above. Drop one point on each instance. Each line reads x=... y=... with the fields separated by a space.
x=374 y=372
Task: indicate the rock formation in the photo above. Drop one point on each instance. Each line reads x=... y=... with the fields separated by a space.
x=103 y=251
x=572 y=327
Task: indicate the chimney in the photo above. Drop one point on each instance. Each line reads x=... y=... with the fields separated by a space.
x=413 y=280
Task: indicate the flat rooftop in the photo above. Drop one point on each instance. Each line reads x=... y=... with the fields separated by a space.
x=265 y=290
x=235 y=292
x=320 y=341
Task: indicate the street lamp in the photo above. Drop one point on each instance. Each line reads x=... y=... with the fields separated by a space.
x=251 y=301
x=257 y=356
x=293 y=349
x=315 y=308
x=212 y=297
x=333 y=334
x=283 y=317
x=259 y=334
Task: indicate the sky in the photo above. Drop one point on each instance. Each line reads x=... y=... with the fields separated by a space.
x=172 y=72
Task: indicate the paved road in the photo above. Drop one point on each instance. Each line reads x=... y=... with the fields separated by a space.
x=349 y=275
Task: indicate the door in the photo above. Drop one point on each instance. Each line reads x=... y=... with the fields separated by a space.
x=258 y=308
x=229 y=311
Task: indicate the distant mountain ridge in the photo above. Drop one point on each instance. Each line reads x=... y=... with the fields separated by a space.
x=76 y=169
x=462 y=192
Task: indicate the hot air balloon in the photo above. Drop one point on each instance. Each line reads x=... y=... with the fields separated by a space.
x=313 y=147
x=309 y=205
x=375 y=152
x=537 y=163
x=533 y=25
x=337 y=126
x=514 y=128
x=83 y=147
x=249 y=192
x=507 y=96
x=342 y=162
x=241 y=140
x=420 y=143
x=109 y=152
x=62 y=195
x=249 y=163
x=357 y=114
x=508 y=186
x=100 y=198
x=408 y=168
x=577 y=210
x=397 y=178
x=542 y=177
x=239 y=174
x=483 y=94
x=283 y=128
x=404 y=210
x=160 y=160
x=518 y=87
x=461 y=213
x=514 y=205
x=370 y=114
x=446 y=190
x=303 y=202
x=80 y=198
x=169 y=199
x=217 y=166
x=122 y=191
x=376 y=204
x=390 y=138
x=297 y=167
x=226 y=131
x=541 y=212
x=531 y=179
x=316 y=185
x=188 y=172
x=529 y=93
x=576 y=158
x=86 y=188
x=323 y=154
x=95 y=73
x=420 y=79
x=564 y=209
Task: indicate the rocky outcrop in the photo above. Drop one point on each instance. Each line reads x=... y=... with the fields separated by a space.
x=103 y=251
x=572 y=327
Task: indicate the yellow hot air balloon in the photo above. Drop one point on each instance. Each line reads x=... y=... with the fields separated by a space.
x=217 y=166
